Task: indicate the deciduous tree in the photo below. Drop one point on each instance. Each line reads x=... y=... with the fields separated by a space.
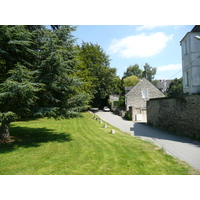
x=175 y=88
x=130 y=81
x=94 y=68
x=133 y=70
x=149 y=72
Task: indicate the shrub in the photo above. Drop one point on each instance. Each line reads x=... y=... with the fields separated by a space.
x=128 y=116
x=120 y=103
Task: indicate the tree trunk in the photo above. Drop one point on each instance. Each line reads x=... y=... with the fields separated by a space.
x=5 y=131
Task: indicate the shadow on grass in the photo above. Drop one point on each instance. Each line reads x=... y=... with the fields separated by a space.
x=32 y=137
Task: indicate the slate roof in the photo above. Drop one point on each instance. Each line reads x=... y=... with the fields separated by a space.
x=196 y=28
x=162 y=85
x=128 y=88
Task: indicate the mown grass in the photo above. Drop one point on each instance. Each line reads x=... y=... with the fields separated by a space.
x=82 y=146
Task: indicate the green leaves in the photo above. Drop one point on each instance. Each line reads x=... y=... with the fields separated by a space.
x=130 y=81
x=94 y=69
x=175 y=88
x=149 y=72
x=133 y=70
x=7 y=116
x=18 y=93
x=37 y=73
x=42 y=72
x=62 y=94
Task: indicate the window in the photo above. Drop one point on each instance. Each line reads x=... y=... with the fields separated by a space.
x=144 y=94
x=185 y=48
x=186 y=79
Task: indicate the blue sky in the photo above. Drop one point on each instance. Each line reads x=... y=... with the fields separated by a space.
x=157 y=45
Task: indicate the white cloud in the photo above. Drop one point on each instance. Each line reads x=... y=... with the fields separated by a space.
x=140 y=45
x=147 y=27
x=170 y=67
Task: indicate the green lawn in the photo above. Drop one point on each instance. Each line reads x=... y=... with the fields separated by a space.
x=82 y=146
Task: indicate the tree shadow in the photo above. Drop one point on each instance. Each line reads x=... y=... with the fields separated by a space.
x=145 y=130
x=32 y=137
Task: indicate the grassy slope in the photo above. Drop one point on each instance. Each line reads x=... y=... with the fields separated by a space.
x=82 y=146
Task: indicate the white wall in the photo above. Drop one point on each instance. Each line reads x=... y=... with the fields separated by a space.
x=191 y=63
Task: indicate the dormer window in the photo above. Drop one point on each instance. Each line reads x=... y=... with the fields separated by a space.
x=144 y=93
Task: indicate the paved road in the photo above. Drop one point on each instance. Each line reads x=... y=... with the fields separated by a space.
x=177 y=146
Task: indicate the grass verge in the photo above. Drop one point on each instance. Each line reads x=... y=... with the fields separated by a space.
x=82 y=146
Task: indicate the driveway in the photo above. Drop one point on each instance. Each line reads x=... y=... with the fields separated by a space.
x=181 y=147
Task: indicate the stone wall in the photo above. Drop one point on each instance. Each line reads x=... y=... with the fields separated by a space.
x=180 y=115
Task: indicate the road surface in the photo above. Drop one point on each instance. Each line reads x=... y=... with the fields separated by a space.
x=181 y=147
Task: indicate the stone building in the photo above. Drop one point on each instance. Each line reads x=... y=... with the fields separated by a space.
x=163 y=84
x=112 y=98
x=137 y=96
x=190 y=47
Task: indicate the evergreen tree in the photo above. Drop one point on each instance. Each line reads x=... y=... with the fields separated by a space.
x=62 y=97
x=15 y=42
x=17 y=90
x=18 y=94
x=37 y=68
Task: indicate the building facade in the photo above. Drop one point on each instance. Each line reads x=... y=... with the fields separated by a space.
x=190 y=47
x=162 y=85
x=136 y=99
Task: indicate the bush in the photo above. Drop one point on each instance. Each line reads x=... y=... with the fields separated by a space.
x=128 y=116
x=120 y=103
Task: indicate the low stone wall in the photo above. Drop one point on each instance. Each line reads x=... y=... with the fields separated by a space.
x=180 y=115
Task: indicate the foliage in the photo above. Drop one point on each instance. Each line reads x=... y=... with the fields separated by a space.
x=175 y=88
x=120 y=103
x=37 y=73
x=94 y=68
x=62 y=96
x=15 y=48
x=128 y=116
x=130 y=81
x=149 y=72
x=19 y=93
x=133 y=70
x=8 y=116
